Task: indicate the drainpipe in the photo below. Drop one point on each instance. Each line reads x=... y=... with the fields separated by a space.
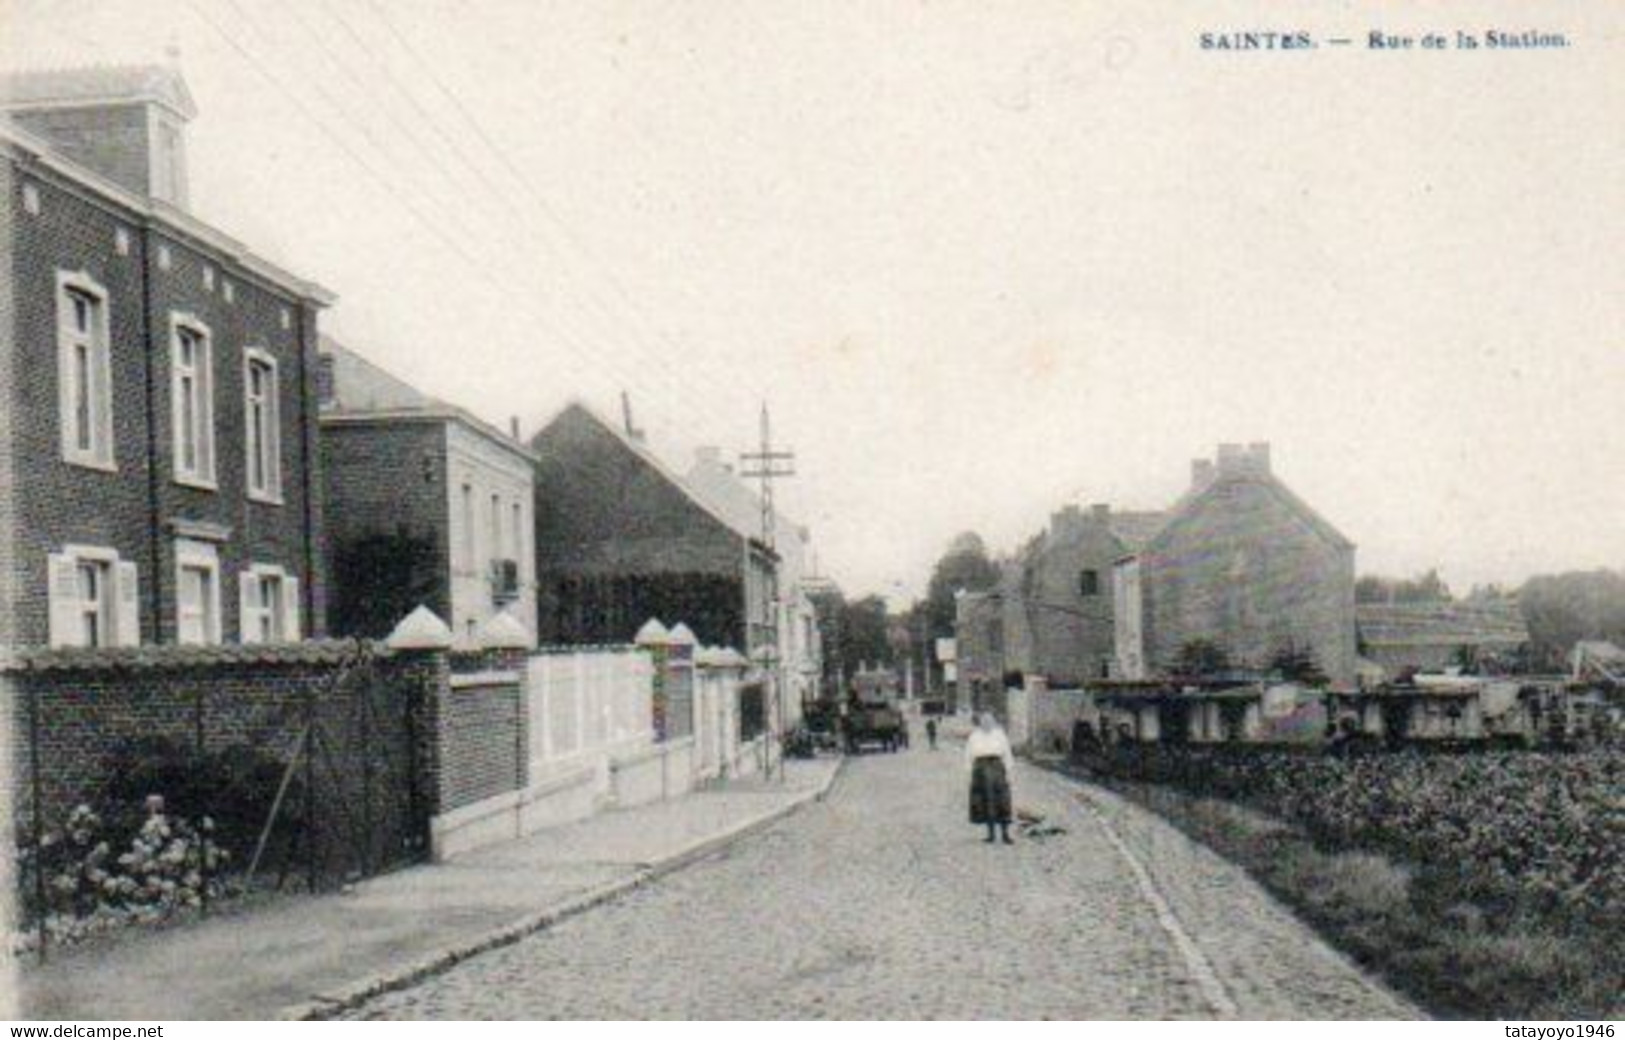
x=155 y=584
x=308 y=431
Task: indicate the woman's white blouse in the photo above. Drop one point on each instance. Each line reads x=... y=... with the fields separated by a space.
x=981 y=743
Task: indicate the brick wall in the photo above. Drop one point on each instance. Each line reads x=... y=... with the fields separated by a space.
x=376 y=733
x=386 y=485
x=57 y=503
x=1245 y=568
x=481 y=720
x=149 y=274
x=9 y=367
x=1052 y=628
x=260 y=532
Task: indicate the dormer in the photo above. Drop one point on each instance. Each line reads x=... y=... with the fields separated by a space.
x=126 y=123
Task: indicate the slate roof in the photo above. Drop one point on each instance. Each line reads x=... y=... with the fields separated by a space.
x=157 y=83
x=1193 y=500
x=1444 y=624
x=750 y=532
x=362 y=392
x=729 y=494
x=1135 y=528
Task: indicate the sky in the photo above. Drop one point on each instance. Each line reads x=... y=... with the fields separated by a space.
x=980 y=260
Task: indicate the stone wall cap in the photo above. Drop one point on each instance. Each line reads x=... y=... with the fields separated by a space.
x=682 y=635
x=170 y=656
x=503 y=631
x=420 y=630
x=651 y=632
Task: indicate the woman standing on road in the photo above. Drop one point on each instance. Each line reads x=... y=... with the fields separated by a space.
x=987 y=754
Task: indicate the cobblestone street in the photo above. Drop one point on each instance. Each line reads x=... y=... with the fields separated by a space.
x=883 y=902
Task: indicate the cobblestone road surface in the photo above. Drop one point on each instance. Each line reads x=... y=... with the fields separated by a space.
x=882 y=902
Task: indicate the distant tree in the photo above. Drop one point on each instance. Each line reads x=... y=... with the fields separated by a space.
x=964 y=566
x=1296 y=662
x=1201 y=657
x=1562 y=609
x=866 y=635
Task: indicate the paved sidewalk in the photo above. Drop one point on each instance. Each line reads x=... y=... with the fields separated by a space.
x=309 y=957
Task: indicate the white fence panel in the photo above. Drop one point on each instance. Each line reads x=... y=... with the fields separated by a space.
x=584 y=703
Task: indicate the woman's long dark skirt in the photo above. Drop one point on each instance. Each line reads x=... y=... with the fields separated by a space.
x=989 y=791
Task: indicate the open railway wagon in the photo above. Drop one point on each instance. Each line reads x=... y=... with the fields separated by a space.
x=1516 y=711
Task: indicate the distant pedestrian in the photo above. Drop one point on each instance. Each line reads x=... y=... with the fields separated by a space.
x=1084 y=742
x=988 y=756
x=931 y=733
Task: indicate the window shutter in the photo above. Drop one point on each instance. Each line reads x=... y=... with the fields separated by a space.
x=101 y=415
x=248 y=615
x=64 y=377
x=205 y=410
x=62 y=575
x=290 y=616
x=127 y=612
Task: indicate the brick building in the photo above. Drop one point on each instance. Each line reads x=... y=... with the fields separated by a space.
x=1241 y=562
x=620 y=539
x=1056 y=594
x=158 y=470
x=426 y=505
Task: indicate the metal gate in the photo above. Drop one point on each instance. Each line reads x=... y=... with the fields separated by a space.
x=365 y=809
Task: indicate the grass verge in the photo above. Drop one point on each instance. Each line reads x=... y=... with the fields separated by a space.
x=1447 y=955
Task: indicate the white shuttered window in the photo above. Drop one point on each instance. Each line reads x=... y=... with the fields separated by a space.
x=268 y=599
x=197 y=593
x=94 y=598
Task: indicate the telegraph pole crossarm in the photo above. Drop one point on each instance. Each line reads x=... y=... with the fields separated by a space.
x=767 y=465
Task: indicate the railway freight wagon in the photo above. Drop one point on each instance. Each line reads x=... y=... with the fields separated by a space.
x=1428 y=710
x=1458 y=709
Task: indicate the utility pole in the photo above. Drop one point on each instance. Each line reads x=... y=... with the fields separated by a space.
x=768 y=464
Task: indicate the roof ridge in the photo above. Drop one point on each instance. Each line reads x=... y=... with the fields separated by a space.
x=648 y=455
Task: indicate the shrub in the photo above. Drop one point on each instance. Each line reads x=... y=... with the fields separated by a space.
x=95 y=877
x=234 y=786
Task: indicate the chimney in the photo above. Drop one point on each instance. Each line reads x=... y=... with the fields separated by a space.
x=1201 y=473
x=126 y=123
x=513 y=426
x=326 y=381
x=1258 y=457
x=1232 y=460
x=1066 y=521
x=1100 y=512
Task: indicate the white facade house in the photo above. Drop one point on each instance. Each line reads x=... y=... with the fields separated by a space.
x=403 y=465
x=491 y=531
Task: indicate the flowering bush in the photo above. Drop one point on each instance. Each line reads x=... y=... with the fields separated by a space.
x=1516 y=833
x=166 y=865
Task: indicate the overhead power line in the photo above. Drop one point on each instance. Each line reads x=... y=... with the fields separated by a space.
x=487 y=272
x=525 y=183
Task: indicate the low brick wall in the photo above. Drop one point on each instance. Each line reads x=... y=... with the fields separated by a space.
x=480 y=722
x=358 y=707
